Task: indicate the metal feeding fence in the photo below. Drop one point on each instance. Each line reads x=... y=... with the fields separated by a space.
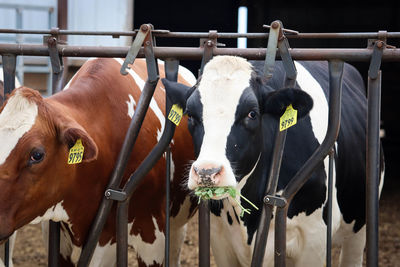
x=278 y=47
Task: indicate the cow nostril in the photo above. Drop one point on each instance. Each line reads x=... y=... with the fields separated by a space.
x=208 y=172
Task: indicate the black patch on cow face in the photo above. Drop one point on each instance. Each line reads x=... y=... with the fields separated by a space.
x=243 y=144
x=230 y=221
x=194 y=110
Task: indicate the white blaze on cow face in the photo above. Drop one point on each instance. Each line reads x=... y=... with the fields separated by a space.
x=223 y=82
x=17 y=118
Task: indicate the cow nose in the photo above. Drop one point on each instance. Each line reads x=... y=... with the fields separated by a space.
x=208 y=176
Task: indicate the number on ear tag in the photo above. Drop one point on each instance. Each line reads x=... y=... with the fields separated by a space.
x=288 y=119
x=175 y=115
x=76 y=153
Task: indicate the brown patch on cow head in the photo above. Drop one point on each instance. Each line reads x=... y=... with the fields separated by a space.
x=34 y=174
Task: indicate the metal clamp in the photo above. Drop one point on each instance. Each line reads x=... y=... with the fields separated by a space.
x=115 y=195
x=376 y=59
x=275 y=201
x=55 y=59
x=274 y=34
x=144 y=30
x=208 y=45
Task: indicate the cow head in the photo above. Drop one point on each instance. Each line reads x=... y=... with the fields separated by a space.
x=226 y=115
x=35 y=137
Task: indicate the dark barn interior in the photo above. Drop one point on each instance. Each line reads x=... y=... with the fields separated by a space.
x=221 y=15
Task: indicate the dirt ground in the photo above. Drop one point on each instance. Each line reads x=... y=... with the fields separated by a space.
x=29 y=250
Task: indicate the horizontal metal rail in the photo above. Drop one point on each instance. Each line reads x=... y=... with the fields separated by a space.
x=220 y=35
x=196 y=53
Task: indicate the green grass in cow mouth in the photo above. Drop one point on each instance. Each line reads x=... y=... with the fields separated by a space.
x=206 y=193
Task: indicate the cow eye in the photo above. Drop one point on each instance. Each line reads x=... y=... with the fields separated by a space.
x=36 y=155
x=252 y=115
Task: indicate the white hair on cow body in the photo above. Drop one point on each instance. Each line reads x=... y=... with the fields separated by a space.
x=149 y=253
x=153 y=104
x=16 y=119
x=223 y=81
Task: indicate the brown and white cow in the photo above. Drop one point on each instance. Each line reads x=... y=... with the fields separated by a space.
x=37 y=183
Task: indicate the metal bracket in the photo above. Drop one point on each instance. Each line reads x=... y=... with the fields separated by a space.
x=115 y=195
x=143 y=32
x=275 y=201
x=274 y=34
x=277 y=39
x=55 y=59
x=9 y=66
x=376 y=59
x=151 y=61
x=56 y=64
x=208 y=45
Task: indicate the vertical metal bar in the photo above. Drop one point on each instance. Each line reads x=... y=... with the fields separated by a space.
x=167 y=204
x=204 y=234
x=280 y=236
x=7 y=253
x=329 y=215
x=271 y=49
x=9 y=65
x=373 y=169
x=56 y=65
x=20 y=40
x=266 y=213
x=122 y=233
x=54 y=244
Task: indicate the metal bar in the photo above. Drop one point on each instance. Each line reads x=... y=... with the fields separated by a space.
x=122 y=233
x=272 y=49
x=222 y=35
x=56 y=65
x=208 y=51
x=204 y=234
x=266 y=213
x=7 y=253
x=54 y=244
x=373 y=169
x=9 y=65
x=329 y=215
x=196 y=53
x=280 y=236
x=134 y=50
x=335 y=92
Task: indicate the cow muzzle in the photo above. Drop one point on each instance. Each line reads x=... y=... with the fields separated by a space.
x=206 y=174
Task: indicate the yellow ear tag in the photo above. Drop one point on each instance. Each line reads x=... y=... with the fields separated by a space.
x=175 y=114
x=288 y=119
x=76 y=153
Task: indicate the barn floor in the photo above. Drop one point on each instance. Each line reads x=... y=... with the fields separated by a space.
x=29 y=250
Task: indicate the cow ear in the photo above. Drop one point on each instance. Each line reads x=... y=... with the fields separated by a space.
x=276 y=102
x=178 y=93
x=70 y=135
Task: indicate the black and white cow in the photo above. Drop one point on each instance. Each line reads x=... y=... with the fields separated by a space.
x=233 y=116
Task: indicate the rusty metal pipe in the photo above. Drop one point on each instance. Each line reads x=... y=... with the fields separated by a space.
x=196 y=53
x=230 y=35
